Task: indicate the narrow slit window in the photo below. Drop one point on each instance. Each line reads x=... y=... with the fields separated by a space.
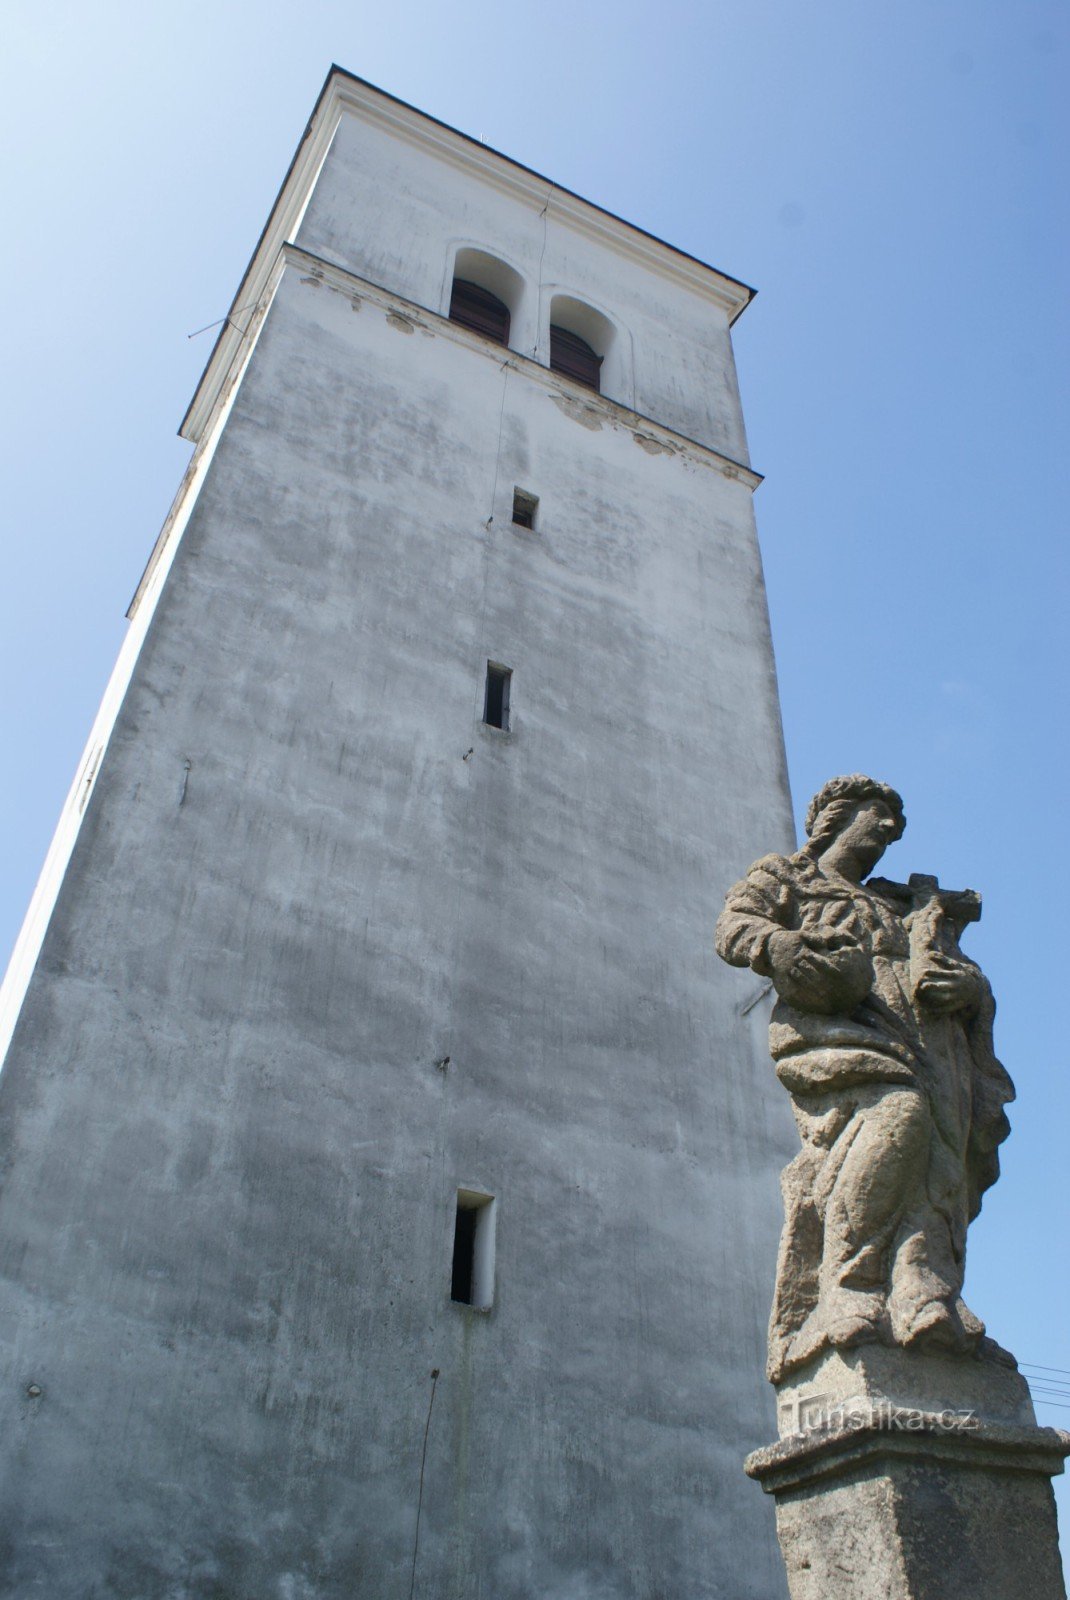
x=524 y=508
x=496 y=704
x=473 y=1250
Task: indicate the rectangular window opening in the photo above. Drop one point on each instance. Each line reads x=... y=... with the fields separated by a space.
x=473 y=1250
x=524 y=508
x=496 y=704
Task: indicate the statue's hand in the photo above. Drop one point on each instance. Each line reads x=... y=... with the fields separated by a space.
x=826 y=981
x=947 y=985
x=786 y=949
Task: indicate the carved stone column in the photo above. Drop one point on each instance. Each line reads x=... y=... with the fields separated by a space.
x=909 y=1476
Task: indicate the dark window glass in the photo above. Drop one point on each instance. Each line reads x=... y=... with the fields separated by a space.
x=574 y=357
x=479 y=310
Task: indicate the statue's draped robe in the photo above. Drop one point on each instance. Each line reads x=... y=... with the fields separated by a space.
x=836 y=1066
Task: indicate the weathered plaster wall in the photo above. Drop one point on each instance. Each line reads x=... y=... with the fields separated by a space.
x=228 y=1155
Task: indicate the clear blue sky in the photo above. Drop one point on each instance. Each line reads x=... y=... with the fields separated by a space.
x=892 y=178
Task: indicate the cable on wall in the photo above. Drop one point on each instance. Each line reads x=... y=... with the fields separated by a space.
x=420 y=1494
x=542 y=255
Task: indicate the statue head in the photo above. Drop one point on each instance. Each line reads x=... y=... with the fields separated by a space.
x=840 y=803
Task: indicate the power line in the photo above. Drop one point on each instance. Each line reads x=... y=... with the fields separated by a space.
x=209 y=325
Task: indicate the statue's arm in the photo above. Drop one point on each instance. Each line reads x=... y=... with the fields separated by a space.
x=759 y=928
x=756 y=908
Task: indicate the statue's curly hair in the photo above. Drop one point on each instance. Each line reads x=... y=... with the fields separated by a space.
x=828 y=809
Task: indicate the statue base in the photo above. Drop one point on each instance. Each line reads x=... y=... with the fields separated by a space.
x=906 y=1476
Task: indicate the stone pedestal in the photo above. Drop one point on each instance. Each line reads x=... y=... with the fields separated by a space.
x=910 y=1477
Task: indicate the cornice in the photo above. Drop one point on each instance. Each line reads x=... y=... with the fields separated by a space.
x=530 y=187
x=343 y=94
x=652 y=435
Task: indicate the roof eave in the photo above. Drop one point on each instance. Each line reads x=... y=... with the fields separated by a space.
x=343 y=91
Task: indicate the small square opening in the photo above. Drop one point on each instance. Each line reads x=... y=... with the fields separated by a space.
x=496 y=700
x=473 y=1250
x=525 y=506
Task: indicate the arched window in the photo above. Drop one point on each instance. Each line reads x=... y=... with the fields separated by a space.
x=486 y=295
x=581 y=339
x=476 y=308
x=573 y=356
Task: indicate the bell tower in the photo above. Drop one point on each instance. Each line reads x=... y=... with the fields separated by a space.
x=388 y=1167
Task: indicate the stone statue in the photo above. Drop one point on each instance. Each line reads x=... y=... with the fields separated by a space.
x=882 y=1035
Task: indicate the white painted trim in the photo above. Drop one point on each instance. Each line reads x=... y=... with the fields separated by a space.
x=345 y=95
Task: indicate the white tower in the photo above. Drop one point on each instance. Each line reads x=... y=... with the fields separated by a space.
x=366 y=1023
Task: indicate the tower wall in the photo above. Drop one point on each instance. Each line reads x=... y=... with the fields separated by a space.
x=308 y=874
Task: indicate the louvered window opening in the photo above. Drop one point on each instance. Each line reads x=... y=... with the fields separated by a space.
x=574 y=357
x=479 y=310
